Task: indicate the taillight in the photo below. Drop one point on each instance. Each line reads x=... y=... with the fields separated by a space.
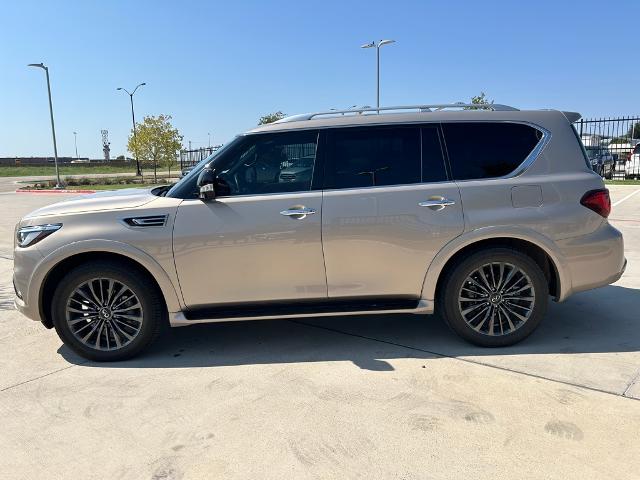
x=598 y=201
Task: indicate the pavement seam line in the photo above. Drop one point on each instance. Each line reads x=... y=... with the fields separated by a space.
x=635 y=378
x=466 y=360
x=625 y=198
x=41 y=376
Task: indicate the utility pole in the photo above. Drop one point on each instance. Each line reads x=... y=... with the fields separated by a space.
x=377 y=46
x=75 y=141
x=53 y=127
x=133 y=119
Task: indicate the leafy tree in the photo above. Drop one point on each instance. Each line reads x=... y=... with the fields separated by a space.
x=271 y=117
x=156 y=142
x=479 y=100
x=633 y=132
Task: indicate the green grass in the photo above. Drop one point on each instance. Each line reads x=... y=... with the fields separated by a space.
x=112 y=187
x=77 y=169
x=622 y=182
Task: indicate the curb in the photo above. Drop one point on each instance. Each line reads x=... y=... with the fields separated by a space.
x=34 y=190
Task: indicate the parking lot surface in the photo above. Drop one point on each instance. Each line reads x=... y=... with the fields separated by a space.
x=373 y=397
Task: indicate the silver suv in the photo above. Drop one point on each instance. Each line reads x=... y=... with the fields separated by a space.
x=477 y=214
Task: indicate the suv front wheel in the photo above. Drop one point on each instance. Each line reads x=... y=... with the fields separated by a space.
x=107 y=311
x=494 y=297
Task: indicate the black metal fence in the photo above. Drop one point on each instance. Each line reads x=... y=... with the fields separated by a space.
x=612 y=145
x=188 y=158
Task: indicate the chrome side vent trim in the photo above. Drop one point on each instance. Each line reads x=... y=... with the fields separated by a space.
x=147 y=221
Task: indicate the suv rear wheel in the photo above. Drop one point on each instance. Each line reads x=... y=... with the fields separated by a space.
x=107 y=311
x=494 y=297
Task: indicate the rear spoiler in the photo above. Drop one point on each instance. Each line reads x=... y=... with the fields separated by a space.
x=572 y=116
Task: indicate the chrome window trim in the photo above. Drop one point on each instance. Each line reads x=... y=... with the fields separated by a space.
x=519 y=170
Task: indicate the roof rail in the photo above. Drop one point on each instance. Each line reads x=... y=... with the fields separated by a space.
x=421 y=108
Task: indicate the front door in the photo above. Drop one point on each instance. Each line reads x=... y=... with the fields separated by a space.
x=388 y=209
x=261 y=241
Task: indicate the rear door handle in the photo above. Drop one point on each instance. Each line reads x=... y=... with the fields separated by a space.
x=298 y=212
x=437 y=203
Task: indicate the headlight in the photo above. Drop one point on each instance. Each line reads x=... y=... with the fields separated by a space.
x=27 y=236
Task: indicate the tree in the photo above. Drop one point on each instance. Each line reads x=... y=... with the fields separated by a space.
x=271 y=117
x=479 y=100
x=633 y=132
x=156 y=142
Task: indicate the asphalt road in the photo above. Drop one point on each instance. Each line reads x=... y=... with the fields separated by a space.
x=375 y=397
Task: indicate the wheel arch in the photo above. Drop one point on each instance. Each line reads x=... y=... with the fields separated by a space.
x=77 y=256
x=536 y=247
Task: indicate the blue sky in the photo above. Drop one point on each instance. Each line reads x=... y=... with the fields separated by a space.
x=218 y=66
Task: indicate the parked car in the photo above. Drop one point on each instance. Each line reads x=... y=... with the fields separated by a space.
x=632 y=166
x=300 y=170
x=602 y=161
x=479 y=215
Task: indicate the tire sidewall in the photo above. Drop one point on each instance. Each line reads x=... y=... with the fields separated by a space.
x=456 y=278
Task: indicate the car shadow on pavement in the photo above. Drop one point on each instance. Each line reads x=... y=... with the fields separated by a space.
x=599 y=321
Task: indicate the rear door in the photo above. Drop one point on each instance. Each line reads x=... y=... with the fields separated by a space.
x=388 y=208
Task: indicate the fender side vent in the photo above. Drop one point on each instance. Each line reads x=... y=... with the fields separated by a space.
x=149 y=221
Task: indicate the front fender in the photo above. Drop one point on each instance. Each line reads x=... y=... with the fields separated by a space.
x=45 y=266
x=494 y=233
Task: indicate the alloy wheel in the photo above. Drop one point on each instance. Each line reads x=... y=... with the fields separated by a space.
x=496 y=299
x=104 y=314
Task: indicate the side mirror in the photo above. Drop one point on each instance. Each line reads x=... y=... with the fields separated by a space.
x=206 y=184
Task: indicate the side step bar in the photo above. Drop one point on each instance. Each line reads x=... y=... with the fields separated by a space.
x=297 y=309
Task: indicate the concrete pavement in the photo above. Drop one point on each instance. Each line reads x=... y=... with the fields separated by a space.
x=375 y=397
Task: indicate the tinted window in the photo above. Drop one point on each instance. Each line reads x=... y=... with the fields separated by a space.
x=366 y=157
x=432 y=161
x=486 y=150
x=269 y=163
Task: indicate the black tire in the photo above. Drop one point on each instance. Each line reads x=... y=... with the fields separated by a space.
x=152 y=312
x=450 y=307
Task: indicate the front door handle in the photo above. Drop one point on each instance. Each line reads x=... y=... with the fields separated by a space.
x=298 y=212
x=437 y=203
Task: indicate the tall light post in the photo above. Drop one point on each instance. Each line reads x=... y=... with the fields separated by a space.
x=53 y=128
x=209 y=135
x=377 y=46
x=75 y=142
x=133 y=119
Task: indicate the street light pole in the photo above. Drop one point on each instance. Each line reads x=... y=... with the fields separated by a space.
x=377 y=46
x=75 y=141
x=133 y=119
x=53 y=127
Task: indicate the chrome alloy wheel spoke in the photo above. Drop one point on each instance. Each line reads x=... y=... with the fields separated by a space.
x=104 y=314
x=496 y=299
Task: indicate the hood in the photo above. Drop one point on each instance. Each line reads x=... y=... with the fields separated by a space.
x=111 y=200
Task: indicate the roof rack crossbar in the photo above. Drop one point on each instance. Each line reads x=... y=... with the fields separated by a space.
x=421 y=108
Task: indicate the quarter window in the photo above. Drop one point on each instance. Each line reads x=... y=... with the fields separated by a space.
x=367 y=157
x=488 y=150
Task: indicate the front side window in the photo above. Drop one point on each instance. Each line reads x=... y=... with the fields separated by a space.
x=488 y=150
x=372 y=156
x=270 y=163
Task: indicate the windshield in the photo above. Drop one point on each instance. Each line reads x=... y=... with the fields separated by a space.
x=186 y=184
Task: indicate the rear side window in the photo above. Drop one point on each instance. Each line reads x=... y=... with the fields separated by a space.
x=488 y=150
x=433 y=169
x=368 y=157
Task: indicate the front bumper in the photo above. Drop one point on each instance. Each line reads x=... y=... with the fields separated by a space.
x=25 y=262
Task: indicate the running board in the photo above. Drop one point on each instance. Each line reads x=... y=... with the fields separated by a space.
x=297 y=309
